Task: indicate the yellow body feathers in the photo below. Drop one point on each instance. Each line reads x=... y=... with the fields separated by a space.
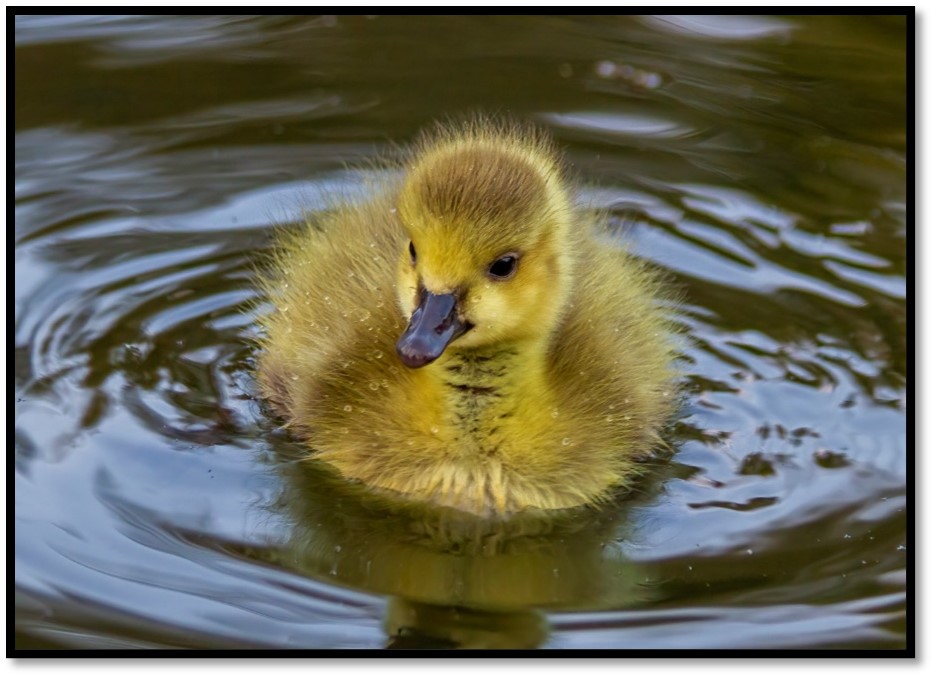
x=467 y=337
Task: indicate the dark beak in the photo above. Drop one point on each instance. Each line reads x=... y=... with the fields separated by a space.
x=434 y=324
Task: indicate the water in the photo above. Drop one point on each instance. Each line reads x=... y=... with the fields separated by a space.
x=760 y=161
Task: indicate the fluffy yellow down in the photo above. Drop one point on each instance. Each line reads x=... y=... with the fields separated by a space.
x=562 y=380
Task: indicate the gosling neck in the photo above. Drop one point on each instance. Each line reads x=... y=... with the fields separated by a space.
x=493 y=376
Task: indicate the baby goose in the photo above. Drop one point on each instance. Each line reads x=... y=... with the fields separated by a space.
x=467 y=337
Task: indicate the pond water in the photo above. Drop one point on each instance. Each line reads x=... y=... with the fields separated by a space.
x=759 y=161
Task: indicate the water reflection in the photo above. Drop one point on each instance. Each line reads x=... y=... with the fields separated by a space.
x=722 y=27
x=455 y=577
x=424 y=626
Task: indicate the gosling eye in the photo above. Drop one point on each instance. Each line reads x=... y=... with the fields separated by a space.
x=412 y=256
x=504 y=267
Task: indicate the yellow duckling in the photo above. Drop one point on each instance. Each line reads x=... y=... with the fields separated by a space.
x=467 y=337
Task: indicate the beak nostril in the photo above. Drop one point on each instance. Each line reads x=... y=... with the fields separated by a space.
x=432 y=327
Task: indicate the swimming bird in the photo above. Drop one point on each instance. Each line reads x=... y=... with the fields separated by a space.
x=467 y=336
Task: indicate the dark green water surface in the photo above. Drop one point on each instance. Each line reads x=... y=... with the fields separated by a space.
x=760 y=161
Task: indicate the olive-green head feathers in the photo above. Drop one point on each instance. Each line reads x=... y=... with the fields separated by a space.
x=488 y=223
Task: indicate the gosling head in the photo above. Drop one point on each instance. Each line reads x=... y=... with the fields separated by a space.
x=487 y=257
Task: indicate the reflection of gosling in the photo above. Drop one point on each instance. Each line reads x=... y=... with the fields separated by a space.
x=440 y=557
x=468 y=338
x=411 y=625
